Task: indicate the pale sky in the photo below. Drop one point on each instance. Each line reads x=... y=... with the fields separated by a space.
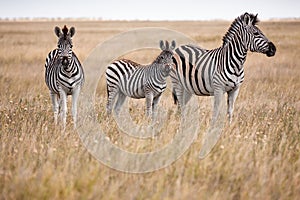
x=149 y=10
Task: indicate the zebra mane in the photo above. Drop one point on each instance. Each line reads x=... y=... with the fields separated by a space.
x=65 y=31
x=236 y=24
x=135 y=64
x=168 y=51
x=254 y=18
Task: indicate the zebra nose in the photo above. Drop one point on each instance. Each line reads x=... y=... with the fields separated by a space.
x=65 y=60
x=168 y=68
x=272 y=50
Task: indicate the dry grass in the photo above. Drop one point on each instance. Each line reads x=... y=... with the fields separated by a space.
x=257 y=156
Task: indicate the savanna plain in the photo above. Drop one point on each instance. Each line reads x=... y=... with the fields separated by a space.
x=256 y=157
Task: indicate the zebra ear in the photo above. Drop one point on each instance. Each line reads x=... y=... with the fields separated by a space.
x=255 y=20
x=57 y=31
x=162 y=45
x=247 y=19
x=173 y=44
x=72 y=31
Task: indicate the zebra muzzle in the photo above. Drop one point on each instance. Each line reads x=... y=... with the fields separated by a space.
x=272 y=50
x=168 y=68
x=65 y=61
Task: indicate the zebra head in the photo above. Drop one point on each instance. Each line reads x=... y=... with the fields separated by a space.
x=165 y=58
x=256 y=41
x=64 y=44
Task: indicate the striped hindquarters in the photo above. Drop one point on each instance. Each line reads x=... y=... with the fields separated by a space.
x=51 y=70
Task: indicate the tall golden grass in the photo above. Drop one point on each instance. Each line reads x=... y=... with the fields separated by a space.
x=257 y=156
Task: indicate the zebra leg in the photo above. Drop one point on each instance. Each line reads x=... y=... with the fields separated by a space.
x=75 y=96
x=55 y=104
x=154 y=105
x=214 y=132
x=218 y=97
x=119 y=103
x=149 y=102
x=232 y=95
x=183 y=98
x=179 y=94
x=186 y=97
x=63 y=102
x=111 y=96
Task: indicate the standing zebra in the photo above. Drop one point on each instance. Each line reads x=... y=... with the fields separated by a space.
x=64 y=74
x=213 y=72
x=127 y=78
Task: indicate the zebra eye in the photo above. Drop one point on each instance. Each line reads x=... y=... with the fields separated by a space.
x=71 y=45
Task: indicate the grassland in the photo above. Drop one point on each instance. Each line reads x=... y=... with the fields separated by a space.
x=257 y=156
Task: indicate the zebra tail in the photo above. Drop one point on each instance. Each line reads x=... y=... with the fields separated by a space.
x=174 y=97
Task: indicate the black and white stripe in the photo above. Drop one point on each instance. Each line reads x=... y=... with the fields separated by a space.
x=127 y=78
x=215 y=72
x=64 y=74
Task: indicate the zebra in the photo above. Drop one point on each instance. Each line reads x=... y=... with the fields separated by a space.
x=64 y=74
x=128 y=78
x=214 y=72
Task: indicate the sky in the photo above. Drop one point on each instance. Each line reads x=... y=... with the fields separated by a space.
x=149 y=10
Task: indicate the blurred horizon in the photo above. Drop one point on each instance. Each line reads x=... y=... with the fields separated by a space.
x=41 y=19
x=137 y=10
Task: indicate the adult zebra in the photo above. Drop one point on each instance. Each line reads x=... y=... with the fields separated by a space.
x=213 y=72
x=127 y=78
x=64 y=74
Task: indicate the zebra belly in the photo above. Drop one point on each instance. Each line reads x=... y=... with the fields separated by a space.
x=198 y=93
x=196 y=85
x=133 y=91
x=134 y=96
x=139 y=92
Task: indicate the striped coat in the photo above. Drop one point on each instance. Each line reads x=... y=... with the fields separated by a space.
x=64 y=75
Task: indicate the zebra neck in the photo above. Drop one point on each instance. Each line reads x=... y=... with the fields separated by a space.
x=158 y=70
x=235 y=54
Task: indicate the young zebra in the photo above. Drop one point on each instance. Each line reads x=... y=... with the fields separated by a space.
x=64 y=74
x=213 y=72
x=127 y=78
